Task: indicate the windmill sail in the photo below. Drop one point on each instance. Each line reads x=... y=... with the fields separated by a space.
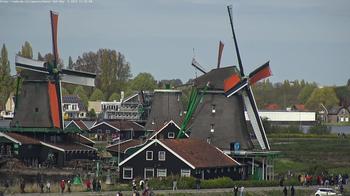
x=255 y=119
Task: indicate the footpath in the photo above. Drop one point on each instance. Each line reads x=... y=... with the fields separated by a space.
x=167 y=192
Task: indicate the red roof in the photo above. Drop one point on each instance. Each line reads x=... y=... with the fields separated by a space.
x=299 y=107
x=199 y=153
x=272 y=106
x=23 y=138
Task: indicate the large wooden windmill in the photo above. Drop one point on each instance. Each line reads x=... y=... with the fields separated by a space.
x=40 y=102
x=216 y=114
x=239 y=83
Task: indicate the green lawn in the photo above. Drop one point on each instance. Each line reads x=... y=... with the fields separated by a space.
x=299 y=154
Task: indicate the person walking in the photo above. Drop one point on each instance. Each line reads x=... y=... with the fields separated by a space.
x=62 y=186
x=285 y=191
x=48 y=187
x=41 y=185
x=242 y=191
x=22 y=185
x=68 y=186
x=133 y=185
x=292 y=191
x=174 y=184
x=235 y=190
x=198 y=183
x=142 y=184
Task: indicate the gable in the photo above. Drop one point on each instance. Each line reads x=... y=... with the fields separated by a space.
x=163 y=133
x=103 y=126
x=141 y=153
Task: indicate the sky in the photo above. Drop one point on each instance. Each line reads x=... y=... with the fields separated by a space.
x=302 y=39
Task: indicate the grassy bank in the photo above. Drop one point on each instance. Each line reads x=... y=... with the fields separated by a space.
x=299 y=154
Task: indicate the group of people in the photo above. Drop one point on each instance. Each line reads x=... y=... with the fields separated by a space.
x=144 y=188
x=292 y=191
x=235 y=191
x=63 y=184
x=95 y=185
x=324 y=180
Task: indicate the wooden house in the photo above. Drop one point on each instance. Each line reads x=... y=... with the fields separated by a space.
x=338 y=114
x=169 y=131
x=112 y=129
x=47 y=149
x=183 y=157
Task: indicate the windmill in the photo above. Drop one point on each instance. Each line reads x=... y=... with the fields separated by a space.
x=40 y=102
x=211 y=116
x=239 y=83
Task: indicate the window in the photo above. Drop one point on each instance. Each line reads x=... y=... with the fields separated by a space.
x=149 y=155
x=149 y=173
x=161 y=155
x=161 y=172
x=127 y=173
x=171 y=135
x=185 y=173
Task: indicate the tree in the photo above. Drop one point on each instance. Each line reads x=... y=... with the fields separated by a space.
x=26 y=50
x=70 y=63
x=114 y=97
x=97 y=95
x=64 y=91
x=111 y=68
x=6 y=81
x=306 y=92
x=172 y=83
x=326 y=96
x=143 y=81
x=92 y=113
x=50 y=59
x=40 y=57
x=79 y=90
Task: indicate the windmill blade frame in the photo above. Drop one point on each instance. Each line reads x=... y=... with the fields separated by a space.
x=255 y=120
x=260 y=73
x=197 y=66
x=77 y=77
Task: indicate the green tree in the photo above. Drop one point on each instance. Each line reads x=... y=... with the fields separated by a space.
x=64 y=91
x=114 y=97
x=70 y=63
x=40 y=57
x=97 y=95
x=50 y=59
x=26 y=50
x=6 y=81
x=111 y=68
x=305 y=92
x=79 y=90
x=326 y=96
x=143 y=81
x=92 y=113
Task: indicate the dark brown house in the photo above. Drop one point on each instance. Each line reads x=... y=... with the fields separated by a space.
x=47 y=149
x=169 y=131
x=112 y=130
x=183 y=157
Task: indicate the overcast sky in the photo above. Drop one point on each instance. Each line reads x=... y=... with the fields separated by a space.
x=303 y=39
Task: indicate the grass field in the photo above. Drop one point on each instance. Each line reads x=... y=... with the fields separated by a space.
x=299 y=154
